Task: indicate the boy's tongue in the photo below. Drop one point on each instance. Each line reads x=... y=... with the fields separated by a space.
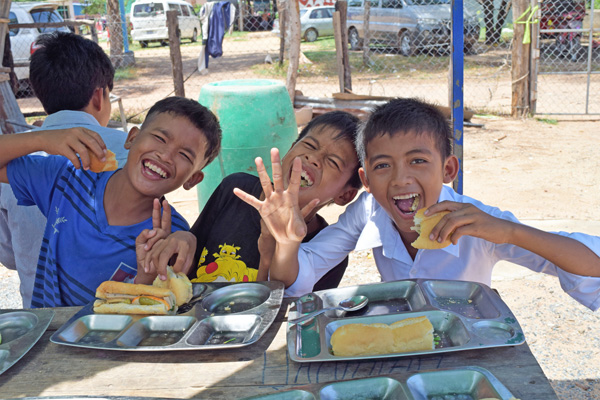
x=405 y=205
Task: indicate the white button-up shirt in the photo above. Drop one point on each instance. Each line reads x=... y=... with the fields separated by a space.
x=366 y=225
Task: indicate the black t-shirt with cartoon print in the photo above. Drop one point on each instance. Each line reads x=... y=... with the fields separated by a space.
x=227 y=232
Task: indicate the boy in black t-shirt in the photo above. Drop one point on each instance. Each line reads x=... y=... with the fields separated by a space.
x=224 y=238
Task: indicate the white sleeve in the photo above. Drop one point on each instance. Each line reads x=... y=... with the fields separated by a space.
x=329 y=247
x=584 y=289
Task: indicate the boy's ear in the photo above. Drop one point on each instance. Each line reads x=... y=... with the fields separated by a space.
x=363 y=178
x=347 y=196
x=450 y=168
x=195 y=179
x=97 y=100
x=133 y=132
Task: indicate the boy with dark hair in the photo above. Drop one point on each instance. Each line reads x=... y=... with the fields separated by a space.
x=72 y=77
x=225 y=235
x=94 y=218
x=405 y=151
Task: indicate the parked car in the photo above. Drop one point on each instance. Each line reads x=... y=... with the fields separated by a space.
x=315 y=22
x=22 y=39
x=149 y=21
x=410 y=25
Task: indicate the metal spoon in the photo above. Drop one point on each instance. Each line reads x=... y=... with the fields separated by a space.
x=351 y=304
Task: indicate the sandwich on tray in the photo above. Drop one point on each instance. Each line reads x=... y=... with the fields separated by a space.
x=178 y=283
x=130 y=298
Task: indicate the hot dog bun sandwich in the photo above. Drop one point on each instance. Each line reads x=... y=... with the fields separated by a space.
x=130 y=298
x=178 y=283
x=423 y=226
x=411 y=334
x=98 y=166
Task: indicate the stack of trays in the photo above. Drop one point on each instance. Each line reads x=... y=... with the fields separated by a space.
x=19 y=331
x=467 y=383
x=220 y=315
x=464 y=315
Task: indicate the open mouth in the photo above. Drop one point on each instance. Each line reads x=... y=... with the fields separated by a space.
x=155 y=170
x=407 y=203
x=305 y=179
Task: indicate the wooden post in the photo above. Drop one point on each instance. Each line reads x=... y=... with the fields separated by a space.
x=520 y=64
x=282 y=28
x=367 y=34
x=342 y=7
x=240 y=17
x=293 y=12
x=94 y=32
x=337 y=35
x=175 y=51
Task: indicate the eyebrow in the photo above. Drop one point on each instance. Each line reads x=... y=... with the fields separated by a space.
x=170 y=137
x=318 y=144
x=408 y=153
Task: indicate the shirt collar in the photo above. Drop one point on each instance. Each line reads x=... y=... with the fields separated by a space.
x=69 y=117
x=379 y=231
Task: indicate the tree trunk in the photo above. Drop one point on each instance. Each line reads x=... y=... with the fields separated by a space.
x=293 y=13
x=114 y=28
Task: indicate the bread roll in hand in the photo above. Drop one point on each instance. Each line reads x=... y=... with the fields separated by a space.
x=98 y=166
x=178 y=283
x=423 y=226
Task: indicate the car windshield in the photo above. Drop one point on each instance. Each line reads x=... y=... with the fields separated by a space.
x=42 y=16
x=427 y=2
x=148 y=10
x=302 y=12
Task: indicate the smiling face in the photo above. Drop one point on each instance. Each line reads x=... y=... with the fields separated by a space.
x=166 y=154
x=405 y=172
x=327 y=165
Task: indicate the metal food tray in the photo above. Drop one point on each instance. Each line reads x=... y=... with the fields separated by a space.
x=466 y=383
x=220 y=315
x=464 y=315
x=20 y=330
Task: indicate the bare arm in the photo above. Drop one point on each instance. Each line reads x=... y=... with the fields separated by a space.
x=466 y=219
x=282 y=216
x=66 y=142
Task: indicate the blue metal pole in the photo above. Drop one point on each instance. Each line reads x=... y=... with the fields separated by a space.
x=457 y=72
x=124 y=26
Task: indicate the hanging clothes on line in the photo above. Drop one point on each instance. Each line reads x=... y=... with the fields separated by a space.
x=216 y=18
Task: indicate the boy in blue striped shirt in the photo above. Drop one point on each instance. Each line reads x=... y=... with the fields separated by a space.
x=94 y=218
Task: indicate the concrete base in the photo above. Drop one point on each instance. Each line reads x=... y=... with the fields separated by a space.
x=124 y=60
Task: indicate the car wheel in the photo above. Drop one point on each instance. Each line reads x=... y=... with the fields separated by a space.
x=354 y=39
x=143 y=44
x=195 y=36
x=311 y=35
x=405 y=44
x=164 y=42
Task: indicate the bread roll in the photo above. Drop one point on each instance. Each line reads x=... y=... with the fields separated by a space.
x=98 y=166
x=411 y=334
x=423 y=226
x=129 y=298
x=178 y=283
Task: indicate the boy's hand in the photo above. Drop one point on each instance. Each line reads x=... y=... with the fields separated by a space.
x=467 y=219
x=73 y=141
x=181 y=245
x=280 y=210
x=161 y=228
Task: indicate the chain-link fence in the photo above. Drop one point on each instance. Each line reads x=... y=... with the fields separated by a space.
x=398 y=48
x=569 y=58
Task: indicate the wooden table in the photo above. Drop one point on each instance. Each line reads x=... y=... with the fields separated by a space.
x=263 y=368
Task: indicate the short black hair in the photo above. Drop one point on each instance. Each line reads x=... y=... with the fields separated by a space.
x=347 y=125
x=402 y=116
x=197 y=114
x=66 y=69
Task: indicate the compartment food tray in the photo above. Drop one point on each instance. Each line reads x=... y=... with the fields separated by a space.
x=466 y=383
x=220 y=315
x=464 y=315
x=20 y=330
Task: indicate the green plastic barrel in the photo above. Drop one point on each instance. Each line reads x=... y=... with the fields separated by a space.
x=255 y=116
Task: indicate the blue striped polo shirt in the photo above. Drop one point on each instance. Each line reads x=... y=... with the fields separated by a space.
x=79 y=249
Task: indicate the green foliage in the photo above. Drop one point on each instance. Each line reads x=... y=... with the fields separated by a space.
x=125 y=73
x=550 y=121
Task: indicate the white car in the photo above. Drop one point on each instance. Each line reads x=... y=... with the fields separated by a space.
x=315 y=22
x=22 y=39
x=149 y=21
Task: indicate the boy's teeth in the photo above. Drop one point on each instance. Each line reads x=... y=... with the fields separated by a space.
x=305 y=180
x=156 y=169
x=405 y=204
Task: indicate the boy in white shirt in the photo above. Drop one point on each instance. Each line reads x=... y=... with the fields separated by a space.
x=405 y=150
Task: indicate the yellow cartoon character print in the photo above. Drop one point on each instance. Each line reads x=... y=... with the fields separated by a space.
x=225 y=268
